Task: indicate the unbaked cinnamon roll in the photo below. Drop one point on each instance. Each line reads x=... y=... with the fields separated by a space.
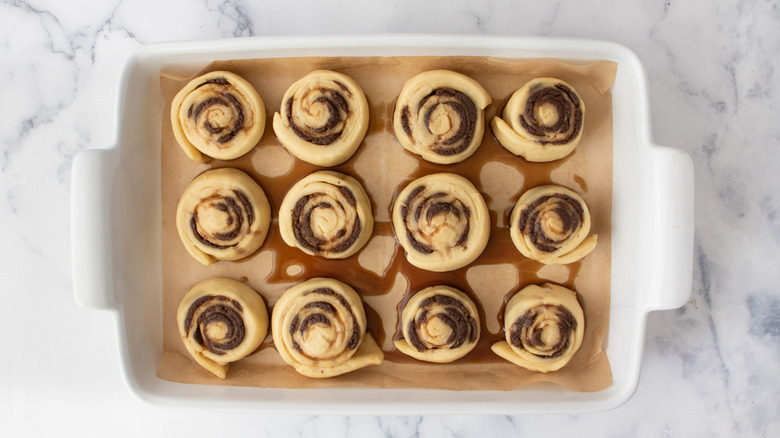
x=550 y=224
x=327 y=214
x=319 y=328
x=440 y=324
x=323 y=118
x=442 y=222
x=221 y=321
x=217 y=115
x=439 y=115
x=542 y=121
x=222 y=215
x=544 y=328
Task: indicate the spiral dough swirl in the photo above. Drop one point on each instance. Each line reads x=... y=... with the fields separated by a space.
x=221 y=321
x=550 y=224
x=442 y=222
x=440 y=324
x=542 y=121
x=439 y=115
x=319 y=327
x=323 y=118
x=217 y=115
x=544 y=328
x=327 y=214
x=222 y=215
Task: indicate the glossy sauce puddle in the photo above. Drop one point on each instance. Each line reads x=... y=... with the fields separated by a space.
x=500 y=249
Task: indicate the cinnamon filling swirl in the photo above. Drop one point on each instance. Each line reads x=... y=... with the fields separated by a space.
x=550 y=224
x=327 y=214
x=223 y=214
x=319 y=328
x=441 y=221
x=221 y=321
x=566 y=120
x=235 y=216
x=225 y=317
x=568 y=213
x=305 y=234
x=528 y=331
x=542 y=121
x=440 y=324
x=324 y=314
x=439 y=115
x=230 y=103
x=336 y=109
x=463 y=327
x=323 y=118
x=434 y=206
x=217 y=115
x=544 y=327
x=458 y=108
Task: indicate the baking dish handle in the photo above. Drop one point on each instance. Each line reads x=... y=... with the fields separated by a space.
x=671 y=227
x=92 y=189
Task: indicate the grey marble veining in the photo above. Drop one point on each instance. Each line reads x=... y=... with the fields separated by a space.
x=710 y=368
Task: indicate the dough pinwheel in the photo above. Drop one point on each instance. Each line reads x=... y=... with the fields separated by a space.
x=439 y=115
x=442 y=222
x=544 y=328
x=319 y=328
x=550 y=224
x=323 y=118
x=217 y=115
x=440 y=324
x=542 y=121
x=222 y=215
x=221 y=321
x=328 y=214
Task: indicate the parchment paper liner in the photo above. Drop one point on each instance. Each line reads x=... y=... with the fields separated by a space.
x=382 y=165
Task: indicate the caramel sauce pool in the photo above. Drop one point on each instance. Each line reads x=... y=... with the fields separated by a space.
x=500 y=249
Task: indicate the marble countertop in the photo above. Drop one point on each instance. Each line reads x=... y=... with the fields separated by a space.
x=709 y=368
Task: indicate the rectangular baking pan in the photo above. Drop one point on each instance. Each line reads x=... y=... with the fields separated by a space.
x=116 y=228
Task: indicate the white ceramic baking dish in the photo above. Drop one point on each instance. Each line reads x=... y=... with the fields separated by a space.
x=116 y=229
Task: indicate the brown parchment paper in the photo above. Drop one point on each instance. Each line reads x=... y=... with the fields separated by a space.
x=379 y=273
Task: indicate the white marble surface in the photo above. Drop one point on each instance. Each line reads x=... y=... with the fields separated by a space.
x=709 y=369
